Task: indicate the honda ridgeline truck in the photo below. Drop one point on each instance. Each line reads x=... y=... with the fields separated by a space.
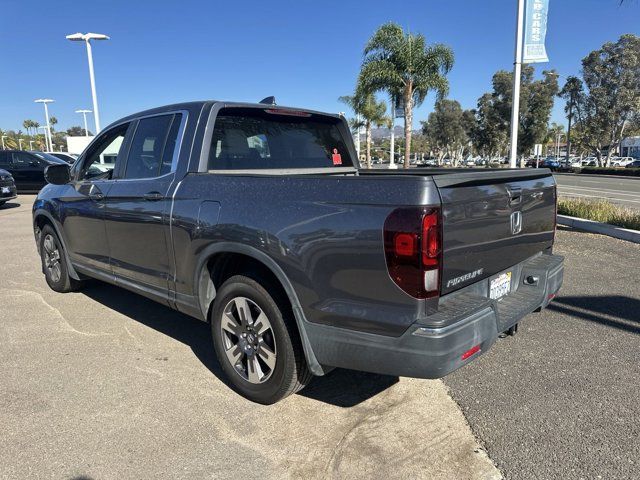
x=257 y=219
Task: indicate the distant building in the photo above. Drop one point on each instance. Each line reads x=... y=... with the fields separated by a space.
x=630 y=147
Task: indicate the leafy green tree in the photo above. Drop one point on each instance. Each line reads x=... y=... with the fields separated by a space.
x=446 y=129
x=611 y=100
x=77 y=131
x=403 y=64
x=493 y=114
x=572 y=93
x=372 y=113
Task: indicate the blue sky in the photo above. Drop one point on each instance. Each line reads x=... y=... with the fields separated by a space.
x=306 y=53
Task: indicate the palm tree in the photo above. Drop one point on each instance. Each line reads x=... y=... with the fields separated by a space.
x=399 y=62
x=372 y=113
x=27 y=125
x=52 y=122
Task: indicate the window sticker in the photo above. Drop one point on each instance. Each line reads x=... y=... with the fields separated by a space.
x=337 y=159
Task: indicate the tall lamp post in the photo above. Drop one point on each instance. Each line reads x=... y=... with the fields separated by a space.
x=30 y=144
x=46 y=101
x=3 y=137
x=46 y=130
x=19 y=144
x=86 y=38
x=84 y=115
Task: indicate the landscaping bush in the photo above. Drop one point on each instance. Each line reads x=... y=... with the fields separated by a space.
x=626 y=172
x=600 y=211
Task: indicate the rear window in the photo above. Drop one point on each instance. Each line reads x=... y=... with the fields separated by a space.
x=273 y=138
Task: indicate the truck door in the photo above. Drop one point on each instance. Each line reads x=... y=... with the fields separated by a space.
x=137 y=206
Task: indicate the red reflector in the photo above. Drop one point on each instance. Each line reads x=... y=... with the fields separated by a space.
x=551 y=296
x=405 y=244
x=471 y=351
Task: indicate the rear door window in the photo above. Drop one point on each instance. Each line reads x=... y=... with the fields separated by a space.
x=273 y=138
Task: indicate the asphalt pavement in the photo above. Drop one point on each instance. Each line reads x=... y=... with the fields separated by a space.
x=561 y=399
x=106 y=384
x=623 y=191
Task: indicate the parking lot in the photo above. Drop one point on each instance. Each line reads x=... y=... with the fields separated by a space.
x=106 y=384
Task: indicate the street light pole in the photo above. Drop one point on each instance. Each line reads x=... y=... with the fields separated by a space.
x=86 y=38
x=84 y=115
x=3 y=137
x=19 y=144
x=517 y=69
x=46 y=101
x=30 y=144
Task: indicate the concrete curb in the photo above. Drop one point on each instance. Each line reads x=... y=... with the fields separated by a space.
x=601 y=228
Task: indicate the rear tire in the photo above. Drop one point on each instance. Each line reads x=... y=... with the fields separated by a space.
x=256 y=341
x=54 y=262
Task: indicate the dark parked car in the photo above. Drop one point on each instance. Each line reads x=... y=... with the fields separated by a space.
x=256 y=219
x=67 y=157
x=27 y=168
x=634 y=164
x=7 y=187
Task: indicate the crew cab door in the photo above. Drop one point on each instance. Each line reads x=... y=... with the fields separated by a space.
x=82 y=200
x=138 y=206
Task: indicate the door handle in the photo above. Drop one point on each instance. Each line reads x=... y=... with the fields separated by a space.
x=153 y=196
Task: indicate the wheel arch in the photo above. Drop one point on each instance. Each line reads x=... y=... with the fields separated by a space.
x=42 y=217
x=214 y=264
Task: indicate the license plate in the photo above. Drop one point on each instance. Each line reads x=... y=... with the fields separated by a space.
x=6 y=190
x=500 y=286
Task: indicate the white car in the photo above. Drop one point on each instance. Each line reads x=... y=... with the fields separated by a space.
x=621 y=161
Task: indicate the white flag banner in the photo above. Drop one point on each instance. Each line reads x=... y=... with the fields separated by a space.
x=535 y=31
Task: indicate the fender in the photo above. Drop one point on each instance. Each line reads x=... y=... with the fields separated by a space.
x=206 y=291
x=42 y=212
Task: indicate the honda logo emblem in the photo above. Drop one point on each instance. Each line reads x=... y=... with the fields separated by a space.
x=516 y=223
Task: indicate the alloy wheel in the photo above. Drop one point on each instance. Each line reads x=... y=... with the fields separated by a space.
x=52 y=258
x=248 y=340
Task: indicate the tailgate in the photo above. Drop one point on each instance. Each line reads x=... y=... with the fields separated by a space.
x=493 y=220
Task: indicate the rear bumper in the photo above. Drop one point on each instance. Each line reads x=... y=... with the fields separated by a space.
x=466 y=319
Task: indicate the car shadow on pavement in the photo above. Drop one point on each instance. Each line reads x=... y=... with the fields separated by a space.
x=614 y=311
x=343 y=388
x=9 y=205
x=347 y=388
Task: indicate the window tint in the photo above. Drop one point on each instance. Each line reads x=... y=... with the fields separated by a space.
x=23 y=160
x=152 y=147
x=4 y=159
x=101 y=159
x=250 y=138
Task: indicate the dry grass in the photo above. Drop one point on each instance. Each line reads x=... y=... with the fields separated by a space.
x=600 y=211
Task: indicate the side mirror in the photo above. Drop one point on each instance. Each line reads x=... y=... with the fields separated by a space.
x=57 y=174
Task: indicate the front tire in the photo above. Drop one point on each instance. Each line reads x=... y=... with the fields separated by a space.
x=256 y=341
x=54 y=264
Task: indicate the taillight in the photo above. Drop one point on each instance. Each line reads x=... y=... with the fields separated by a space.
x=413 y=249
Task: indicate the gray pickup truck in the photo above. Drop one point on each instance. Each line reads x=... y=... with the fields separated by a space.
x=257 y=219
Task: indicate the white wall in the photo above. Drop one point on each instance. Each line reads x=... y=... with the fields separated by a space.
x=77 y=144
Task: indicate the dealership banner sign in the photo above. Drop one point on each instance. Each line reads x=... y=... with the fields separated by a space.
x=535 y=31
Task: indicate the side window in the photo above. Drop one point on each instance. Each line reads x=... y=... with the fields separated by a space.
x=101 y=159
x=152 y=147
x=24 y=160
x=4 y=159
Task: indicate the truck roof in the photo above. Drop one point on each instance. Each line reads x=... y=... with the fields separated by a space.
x=199 y=104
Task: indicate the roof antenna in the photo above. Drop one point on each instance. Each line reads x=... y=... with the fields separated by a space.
x=269 y=100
